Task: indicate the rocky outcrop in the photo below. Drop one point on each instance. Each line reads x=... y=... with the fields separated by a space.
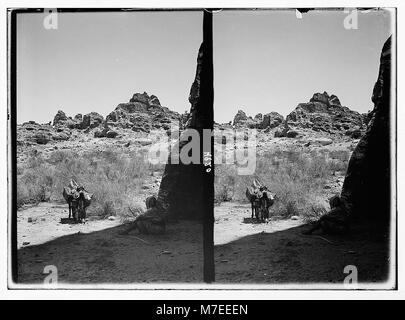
x=35 y=133
x=60 y=118
x=181 y=190
x=286 y=131
x=325 y=113
x=268 y=120
x=142 y=113
x=366 y=191
x=106 y=132
x=240 y=118
x=91 y=120
x=271 y=120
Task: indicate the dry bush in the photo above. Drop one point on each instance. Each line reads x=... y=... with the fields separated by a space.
x=224 y=183
x=297 y=179
x=34 y=182
x=112 y=177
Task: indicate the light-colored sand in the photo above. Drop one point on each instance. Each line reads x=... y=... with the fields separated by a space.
x=245 y=252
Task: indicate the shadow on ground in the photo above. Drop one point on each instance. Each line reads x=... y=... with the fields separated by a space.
x=107 y=257
x=289 y=257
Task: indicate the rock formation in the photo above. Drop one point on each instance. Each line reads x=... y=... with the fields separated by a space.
x=181 y=190
x=60 y=118
x=325 y=113
x=35 y=133
x=142 y=113
x=271 y=120
x=92 y=120
x=268 y=120
x=366 y=190
x=286 y=131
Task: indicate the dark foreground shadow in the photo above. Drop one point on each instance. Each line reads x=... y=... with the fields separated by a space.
x=289 y=257
x=107 y=257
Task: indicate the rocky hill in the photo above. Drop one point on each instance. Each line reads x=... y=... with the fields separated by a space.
x=323 y=114
x=141 y=114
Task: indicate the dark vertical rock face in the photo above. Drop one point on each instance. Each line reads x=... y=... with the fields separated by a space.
x=366 y=190
x=181 y=190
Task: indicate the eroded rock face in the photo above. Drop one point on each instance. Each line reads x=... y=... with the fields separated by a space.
x=35 y=133
x=181 y=190
x=60 y=118
x=240 y=118
x=271 y=120
x=268 y=120
x=92 y=120
x=366 y=191
x=143 y=113
x=286 y=131
x=325 y=113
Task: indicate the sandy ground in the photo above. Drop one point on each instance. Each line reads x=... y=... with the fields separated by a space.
x=277 y=252
x=245 y=251
x=95 y=252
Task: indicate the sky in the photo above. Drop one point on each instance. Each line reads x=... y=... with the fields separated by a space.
x=264 y=60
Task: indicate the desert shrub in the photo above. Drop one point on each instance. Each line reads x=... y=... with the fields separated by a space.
x=114 y=178
x=224 y=183
x=35 y=181
x=339 y=160
x=297 y=179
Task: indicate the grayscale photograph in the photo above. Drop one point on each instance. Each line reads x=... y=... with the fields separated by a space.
x=240 y=148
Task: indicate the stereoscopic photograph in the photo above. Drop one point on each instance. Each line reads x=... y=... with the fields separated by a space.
x=174 y=148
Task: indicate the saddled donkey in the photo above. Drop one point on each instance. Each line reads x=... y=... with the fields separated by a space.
x=78 y=200
x=68 y=196
x=254 y=201
x=83 y=202
x=266 y=201
x=261 y=200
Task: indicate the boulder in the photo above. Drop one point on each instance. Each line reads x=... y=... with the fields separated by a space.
x=78 y=117
x=42 y=138
x=60 y=118
x=62 y=136
x=272 y=120
x=324 y=141
x=92 y=120
x=240 y=118
x=101 y=133
x=143 y=142
x=111 y=134
x=285 y=132
x=291 y=134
